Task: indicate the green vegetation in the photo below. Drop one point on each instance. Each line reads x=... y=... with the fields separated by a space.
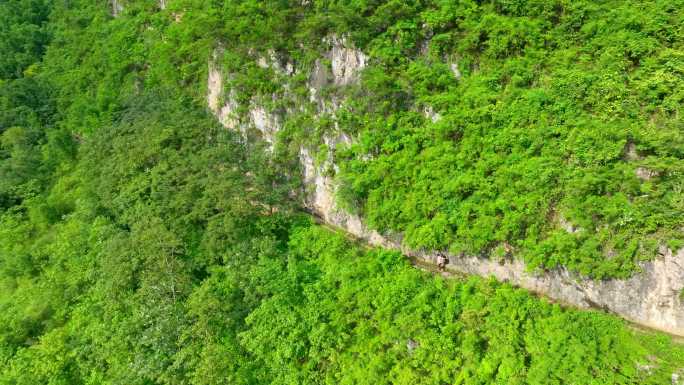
x=142 y=243
x=564 y=115
x=559 y=105
x=26 y=106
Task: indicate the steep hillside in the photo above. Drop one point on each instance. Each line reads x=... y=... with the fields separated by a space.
x=156 y=158
x=417 y=136
x=549 y=129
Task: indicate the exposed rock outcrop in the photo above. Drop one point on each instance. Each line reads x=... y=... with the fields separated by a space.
x=346 y=61
x=430 y=113
x=267 y=123
x=224 y=110
x=117 y=8
x=567 y=225
x=275 y=63
x=646 y=174
x=225 y=107
x=454 y=70
x=652 y=298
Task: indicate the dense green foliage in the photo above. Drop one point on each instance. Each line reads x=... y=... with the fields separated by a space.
x=563 y=115
x=338 y=315
x=559 y=107
x=142 y=243
x=26 y=107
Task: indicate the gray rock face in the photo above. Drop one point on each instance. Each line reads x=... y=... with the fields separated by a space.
x=224 y=104
x=273 y=61
x=225 y=112
x=346 y=61
x=267 y=123
x=117 y=8
x=645 y=174
x=652 y=298
x=454 y=69
x=430 y=113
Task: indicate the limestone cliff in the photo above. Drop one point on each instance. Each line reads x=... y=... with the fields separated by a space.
x=651 y=298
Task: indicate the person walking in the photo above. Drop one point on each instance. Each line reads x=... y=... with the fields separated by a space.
x=442 y=260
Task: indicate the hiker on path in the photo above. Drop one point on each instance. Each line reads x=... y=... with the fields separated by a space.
x=442 y=260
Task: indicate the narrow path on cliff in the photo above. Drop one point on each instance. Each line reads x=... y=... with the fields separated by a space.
x=453 y=274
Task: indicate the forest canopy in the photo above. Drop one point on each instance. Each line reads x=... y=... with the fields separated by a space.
x=141 y=242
